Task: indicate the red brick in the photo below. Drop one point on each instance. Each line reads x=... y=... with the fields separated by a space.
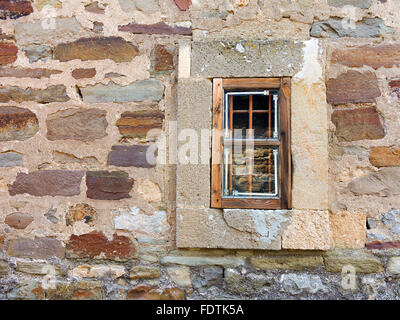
x=358 y=124
x=8 y=53
x=352 y=87
x=95 y=245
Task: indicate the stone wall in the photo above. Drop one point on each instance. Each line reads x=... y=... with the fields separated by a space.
x=89 y=88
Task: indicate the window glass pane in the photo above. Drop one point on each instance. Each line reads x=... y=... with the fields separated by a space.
x=241 y=102
x=260 y=102
x=240 y=124
x=260 y=126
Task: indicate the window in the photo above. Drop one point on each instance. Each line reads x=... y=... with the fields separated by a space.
x=251 y=159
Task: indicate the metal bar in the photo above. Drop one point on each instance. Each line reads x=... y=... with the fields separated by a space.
x=250 y=179
x=230 y=168
x=226 y=171
x=269 y=116
x=239 y=93
x=276 y=116
x=259 y=142
x=269 y=169
x=276 y=170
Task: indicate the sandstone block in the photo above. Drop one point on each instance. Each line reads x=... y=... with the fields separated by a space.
x=105 y=185
x=144 y=272
x=55 y=93
x=11 y=159
x=362 y=261
x=98 y=271
x=163 y=59
x=80 y=212
x=386 y=55
x=348 y=230
x=99 y=48
x=37 y=73
x=384 y=182
x=143 y=292
x=365 y=28
x=358 y=124
x=18 y=220
x=17 y=124
x=8 y=52
x=138 y=124
x=156 y=28
x=385 y=156
x=47 y=183
x=286 y=262
x=145 y=90
x=83 y=73
x=140 y=156
x=95 y=245
x=15 y=9
x=38 y=52
x=352 y=87
x=77 y=124
x=37 y=248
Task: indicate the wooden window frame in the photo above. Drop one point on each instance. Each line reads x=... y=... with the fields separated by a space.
x=285 y=199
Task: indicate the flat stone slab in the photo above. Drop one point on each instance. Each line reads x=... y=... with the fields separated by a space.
x=274 y=58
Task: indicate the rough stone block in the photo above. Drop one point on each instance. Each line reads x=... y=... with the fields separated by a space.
x=77 y=124
x=37 y=248
x=384 y=182
x=287 y=262
x=394 y=265
x=234 y=229
x=99 y=48
x=83 y=73
x=143 y=292
x=145 y=90
x=8 y=53
x=17 y=124
x=138 y=124
x=95 y=245
x=308 y=230
x=162 y=59
x=47 y=183
x=64 y=29
x=55 y=93
x=38 y=52
x=194 y=261
x=144 y=272
x=363 y=262
x=18 y=220
x=348 y=230
x=106 y=185
x=36 y=73
x=183 y=5
x=365 y=28
x=98 y=271
x=140 y=156
x=10 y=159
x=358 y=124
x=15 y=9
x=246 y=58
x=385 y=55
x=194 y=120
x=156 y=28
x=363 y=4
x=353 y=87
x=37 y=268
x=309 y=143
x=80 y=212
x=385 y=156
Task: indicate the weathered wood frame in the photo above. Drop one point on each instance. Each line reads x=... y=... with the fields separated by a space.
x=283 y=85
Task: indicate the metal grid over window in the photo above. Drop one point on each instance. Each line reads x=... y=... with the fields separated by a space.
x=251 y=143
